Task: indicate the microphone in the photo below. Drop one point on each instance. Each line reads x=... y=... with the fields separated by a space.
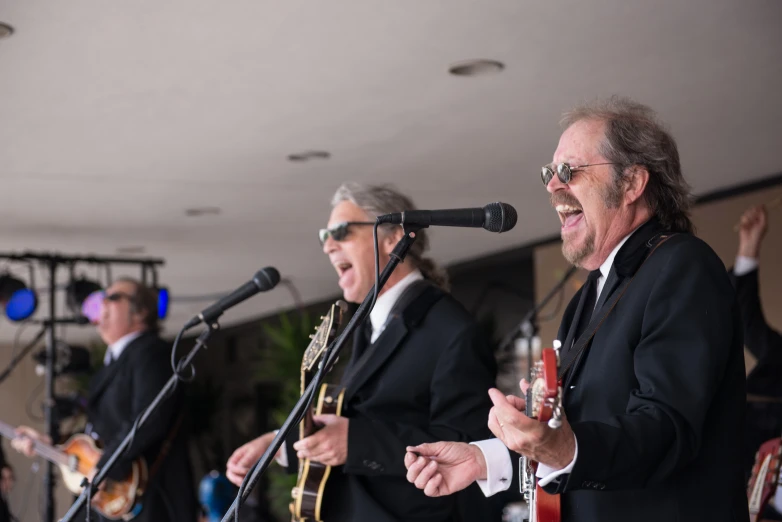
x=494 y=217
x=263 y=280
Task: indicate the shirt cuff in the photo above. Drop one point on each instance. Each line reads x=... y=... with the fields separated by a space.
x=499 y=468
x=546 y=474
x=282 y=453
x=744 y=265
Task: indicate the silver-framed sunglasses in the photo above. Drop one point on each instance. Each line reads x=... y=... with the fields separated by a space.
x=564 y=171
x=340 y=231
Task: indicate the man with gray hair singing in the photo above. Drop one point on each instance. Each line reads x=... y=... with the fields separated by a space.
x=418 y=373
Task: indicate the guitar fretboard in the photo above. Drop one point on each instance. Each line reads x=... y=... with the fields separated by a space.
x=46 y=451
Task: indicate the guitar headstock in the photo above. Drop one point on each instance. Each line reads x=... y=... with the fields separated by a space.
x=544 y=397
x=324 y=334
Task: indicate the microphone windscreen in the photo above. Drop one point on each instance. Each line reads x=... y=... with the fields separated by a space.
x=500 y=217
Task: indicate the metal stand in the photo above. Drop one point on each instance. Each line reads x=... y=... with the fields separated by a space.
x=52 y=262
x=528 y=327
x=330 y=357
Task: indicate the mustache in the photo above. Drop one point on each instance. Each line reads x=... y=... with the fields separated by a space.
x=564 y=198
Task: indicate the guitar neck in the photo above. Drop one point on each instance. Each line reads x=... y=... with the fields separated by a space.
x=42 y=449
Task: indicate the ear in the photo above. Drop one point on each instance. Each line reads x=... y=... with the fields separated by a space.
x=388 y=240
x=636 y=178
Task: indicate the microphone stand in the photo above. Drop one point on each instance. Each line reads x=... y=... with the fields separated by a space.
x=329 y=359
x=140 y=421
x=4 y=375
x=528 y=327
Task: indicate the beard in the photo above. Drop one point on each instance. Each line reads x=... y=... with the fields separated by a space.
x=611 y=195
x=575 y=254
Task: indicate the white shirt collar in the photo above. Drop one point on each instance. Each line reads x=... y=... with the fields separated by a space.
x=117 y=347
x=379 y=314
x=605 y=268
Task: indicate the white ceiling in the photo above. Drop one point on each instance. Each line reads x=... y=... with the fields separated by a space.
x=116 y=116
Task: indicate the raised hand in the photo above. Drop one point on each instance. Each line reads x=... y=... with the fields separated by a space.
x=752 y=228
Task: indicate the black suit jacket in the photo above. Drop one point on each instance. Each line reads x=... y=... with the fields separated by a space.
x=426 y=379
x=118 y=394
x=764 y=420
x=657 y=400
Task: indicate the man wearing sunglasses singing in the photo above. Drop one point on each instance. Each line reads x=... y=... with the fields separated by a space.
x=418 y=372
x=136 y=367
x=651 y=363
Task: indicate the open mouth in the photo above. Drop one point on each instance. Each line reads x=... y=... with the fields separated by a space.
x=569 y=215
x=342 y=268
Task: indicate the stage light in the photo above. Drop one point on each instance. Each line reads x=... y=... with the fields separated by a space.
x=162 y=302
x=18 y=300
x=78 y=291
x=160 y=291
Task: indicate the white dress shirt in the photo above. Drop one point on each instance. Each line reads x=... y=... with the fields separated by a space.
x=378 y=318
x=117 y=347
x=499 y=468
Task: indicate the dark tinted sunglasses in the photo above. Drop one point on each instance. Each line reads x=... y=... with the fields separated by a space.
x=564 y=171
x=340 y=231
x=116 y=296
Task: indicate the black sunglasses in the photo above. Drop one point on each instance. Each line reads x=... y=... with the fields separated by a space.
x=116 y=296
x=564 y=171
x=340 y=231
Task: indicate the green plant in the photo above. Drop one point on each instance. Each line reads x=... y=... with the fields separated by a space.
x=282 y=363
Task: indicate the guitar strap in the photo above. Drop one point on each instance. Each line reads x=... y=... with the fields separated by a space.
x=597 y=321
x=166 y=446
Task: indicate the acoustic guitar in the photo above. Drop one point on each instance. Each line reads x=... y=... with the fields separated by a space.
x=308 y=493
x=76 y=458
x=765 y=477
x=544 y=403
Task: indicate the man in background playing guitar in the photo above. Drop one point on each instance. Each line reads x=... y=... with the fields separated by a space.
x=653 y=388
x=136 y=368
x=418 y=373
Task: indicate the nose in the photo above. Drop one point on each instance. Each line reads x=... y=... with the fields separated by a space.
x=555 y=185
x=330 y=245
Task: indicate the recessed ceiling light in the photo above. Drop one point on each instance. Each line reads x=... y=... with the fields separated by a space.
x=5 y=30
x=309 y=155
x=476 y=68
x=136 y=249
x=202 y=211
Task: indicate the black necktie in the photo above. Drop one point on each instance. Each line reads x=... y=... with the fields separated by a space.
x=590 y=291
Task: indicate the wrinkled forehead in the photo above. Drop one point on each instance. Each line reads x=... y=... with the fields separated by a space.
x=122 y=287
x=580 y=143
x=347 y=211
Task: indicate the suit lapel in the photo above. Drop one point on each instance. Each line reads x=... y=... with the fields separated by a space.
x=612 y=282
x=106 y=374
x=102 y=379
x=627 y=261
x=378 y=353
x=568 y=343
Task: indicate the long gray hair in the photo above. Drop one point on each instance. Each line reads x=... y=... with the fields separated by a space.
x=634 y=136
x=377 y=200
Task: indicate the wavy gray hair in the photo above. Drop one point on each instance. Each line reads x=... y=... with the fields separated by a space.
x=377 y=200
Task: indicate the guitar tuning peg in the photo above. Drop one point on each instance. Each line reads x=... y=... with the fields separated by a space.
x=311 y=336
x=322 y=317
